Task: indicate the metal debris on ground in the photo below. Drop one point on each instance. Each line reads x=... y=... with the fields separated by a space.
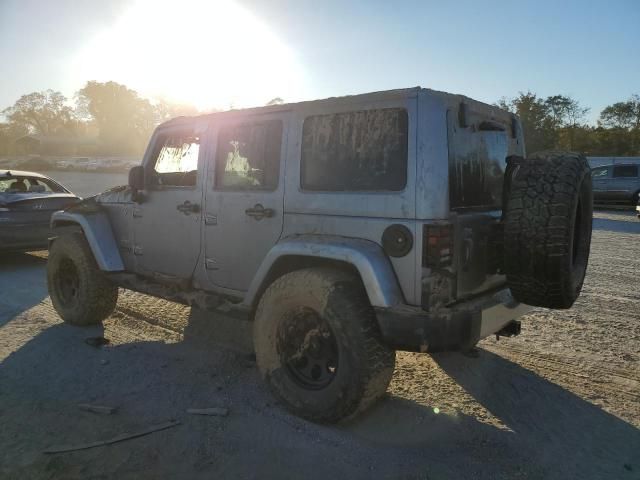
x=214 y=411
x=118 y=438
x=97 y=408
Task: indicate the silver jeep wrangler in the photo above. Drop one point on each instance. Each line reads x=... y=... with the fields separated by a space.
x=345 y=229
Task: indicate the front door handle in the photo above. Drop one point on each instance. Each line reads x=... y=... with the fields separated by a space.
x=187 y=207
x=259 y=212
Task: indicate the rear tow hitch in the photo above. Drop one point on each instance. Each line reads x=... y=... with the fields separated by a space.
x=511 y=329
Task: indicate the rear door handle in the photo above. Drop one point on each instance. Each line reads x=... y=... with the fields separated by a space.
x=259 y=212
x=187 y=207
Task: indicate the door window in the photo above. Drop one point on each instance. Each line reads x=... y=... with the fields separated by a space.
x=625 y=171
x=175 y=160
x=599 y=173
x=248 y=156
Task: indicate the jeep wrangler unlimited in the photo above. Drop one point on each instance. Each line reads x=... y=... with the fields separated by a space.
x=345 y=229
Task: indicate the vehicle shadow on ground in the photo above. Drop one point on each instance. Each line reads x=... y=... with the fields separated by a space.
x=551 y=424
x=552 y=433
x=27 y=271
x=151 y=382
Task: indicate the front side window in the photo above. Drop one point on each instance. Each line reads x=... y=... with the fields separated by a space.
x=176 y=159
x=599 y=173
x=355 y=151
x=625 y=171
x=248 y=156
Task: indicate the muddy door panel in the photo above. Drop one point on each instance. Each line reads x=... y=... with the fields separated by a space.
x=167 y=221
x=244 y=198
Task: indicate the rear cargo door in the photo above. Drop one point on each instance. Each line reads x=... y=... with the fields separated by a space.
x=478 y=148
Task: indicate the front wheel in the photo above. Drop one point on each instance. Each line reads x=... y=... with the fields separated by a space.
x=79 y=290
x=318 y=345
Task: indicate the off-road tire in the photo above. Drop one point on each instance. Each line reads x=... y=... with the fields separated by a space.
x=547 y=228
x=365 y=364
x=95 y=297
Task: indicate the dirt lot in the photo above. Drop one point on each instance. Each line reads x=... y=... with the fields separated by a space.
x=562 y=400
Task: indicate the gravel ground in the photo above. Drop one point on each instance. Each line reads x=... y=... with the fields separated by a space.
x=562 y=400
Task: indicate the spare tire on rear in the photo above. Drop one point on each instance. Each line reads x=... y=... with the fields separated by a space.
x=547 y=227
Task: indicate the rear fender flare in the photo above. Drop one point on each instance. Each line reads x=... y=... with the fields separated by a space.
x=366 y=257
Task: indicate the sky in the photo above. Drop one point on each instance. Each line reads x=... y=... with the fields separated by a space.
x=222 y=53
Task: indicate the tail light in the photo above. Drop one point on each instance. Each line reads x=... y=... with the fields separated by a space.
x=437 y=245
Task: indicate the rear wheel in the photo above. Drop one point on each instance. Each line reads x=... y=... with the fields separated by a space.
x=318 y=345
x=79 y=290
x=548 y=219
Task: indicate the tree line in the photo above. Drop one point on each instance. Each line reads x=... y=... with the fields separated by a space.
x=121 y=121
x=115 y=116
x=558 y=122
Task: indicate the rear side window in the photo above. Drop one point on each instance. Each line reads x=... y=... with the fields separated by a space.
x=355 y=151
x=248 y=156
x=625 y=171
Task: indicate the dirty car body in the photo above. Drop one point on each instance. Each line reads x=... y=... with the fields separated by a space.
x=222 y=226
x=226 y=228
x=345 y=229
x=27 y=200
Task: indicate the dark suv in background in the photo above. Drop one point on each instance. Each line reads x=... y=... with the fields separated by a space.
x=616 y=184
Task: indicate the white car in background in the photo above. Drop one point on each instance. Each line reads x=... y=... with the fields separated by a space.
x=64 y=164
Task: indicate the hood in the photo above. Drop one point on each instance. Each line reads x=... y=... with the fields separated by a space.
x=121 y=194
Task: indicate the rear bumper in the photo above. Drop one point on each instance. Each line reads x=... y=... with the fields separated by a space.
x=459 y=327
x=23 y=237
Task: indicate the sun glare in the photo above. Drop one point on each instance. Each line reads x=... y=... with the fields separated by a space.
x=211 y=54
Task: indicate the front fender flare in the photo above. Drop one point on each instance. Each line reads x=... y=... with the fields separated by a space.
x=374 y=267
x=97 y=230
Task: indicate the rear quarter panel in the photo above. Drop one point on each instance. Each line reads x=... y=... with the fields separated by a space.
x=362 y=215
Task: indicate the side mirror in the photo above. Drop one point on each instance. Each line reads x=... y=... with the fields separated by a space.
x=136 y=178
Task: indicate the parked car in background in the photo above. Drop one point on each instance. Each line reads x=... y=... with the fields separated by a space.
x=34 y=163
x=27 y=200
x=616 y=184
x=63 y=164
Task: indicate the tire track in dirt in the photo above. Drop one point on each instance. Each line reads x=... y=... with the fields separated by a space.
x=613 y=382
